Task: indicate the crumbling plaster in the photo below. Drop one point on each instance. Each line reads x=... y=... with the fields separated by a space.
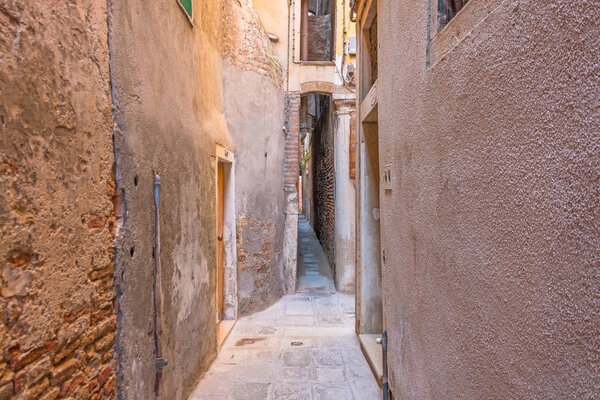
x=56 y=192
x=254 y=110
x=168 y=98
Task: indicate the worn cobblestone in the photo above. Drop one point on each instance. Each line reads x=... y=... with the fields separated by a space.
x=292 y=351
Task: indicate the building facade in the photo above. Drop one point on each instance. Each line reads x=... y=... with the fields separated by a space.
x=142 y=202
x=313 y=40
x=477 y=200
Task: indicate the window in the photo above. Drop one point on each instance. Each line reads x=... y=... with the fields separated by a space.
x=447 y=9
x=317 y=41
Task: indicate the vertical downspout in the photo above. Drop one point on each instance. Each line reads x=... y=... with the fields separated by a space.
x=343 y=39
x=160 y=362
x=385 y=388
x=304 y=32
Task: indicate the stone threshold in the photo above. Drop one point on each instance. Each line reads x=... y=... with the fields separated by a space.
x=373 y=353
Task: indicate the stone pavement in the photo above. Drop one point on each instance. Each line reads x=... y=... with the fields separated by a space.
x=301 y=348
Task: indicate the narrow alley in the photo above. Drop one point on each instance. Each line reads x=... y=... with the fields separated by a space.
x=301 y=348
x=299 y=199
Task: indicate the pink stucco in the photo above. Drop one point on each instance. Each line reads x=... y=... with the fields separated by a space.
x=491 y=232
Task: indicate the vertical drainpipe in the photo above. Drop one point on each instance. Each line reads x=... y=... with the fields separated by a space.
x=383 y=341
x=159 y=362
x=304 y=32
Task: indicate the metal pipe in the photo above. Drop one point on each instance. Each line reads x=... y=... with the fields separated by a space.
x=294 y=33
x=343 y=39
x=304 y=31
x=160 y=362
x=385 y=387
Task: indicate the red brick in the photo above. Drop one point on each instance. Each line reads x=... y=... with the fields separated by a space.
x=109 y=270
x=70 y=386
x=51 y=395
x=61 y=372
x=104 y=374
x=6 y=391
x=23 y=359
x=92 y=385
x=105 y=342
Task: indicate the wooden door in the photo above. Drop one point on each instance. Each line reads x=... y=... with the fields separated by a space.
x=220 y=197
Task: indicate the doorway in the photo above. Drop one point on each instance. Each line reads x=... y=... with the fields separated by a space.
x=369 y=304
x=226 y=271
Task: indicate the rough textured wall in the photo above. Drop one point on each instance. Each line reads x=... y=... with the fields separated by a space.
x=167 y=78
x=491 y=230
x=255 y=123
x=56 y=211
x=324 y=184
x=319 y=37
x=245 y=42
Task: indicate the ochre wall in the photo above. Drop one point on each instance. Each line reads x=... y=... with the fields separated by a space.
x=56 y=201
x=168 y=93
x=491 y=230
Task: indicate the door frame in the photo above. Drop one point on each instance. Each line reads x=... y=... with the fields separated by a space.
x=225 y=322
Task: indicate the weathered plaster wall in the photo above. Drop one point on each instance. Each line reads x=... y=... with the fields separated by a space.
x=255 y=122
x=168 y=93
x=274 y=19
x=56 y=211
x=491 y=230
x=344 y=195
x=254 y=109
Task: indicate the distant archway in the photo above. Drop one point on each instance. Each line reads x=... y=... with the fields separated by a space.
x=319 y=87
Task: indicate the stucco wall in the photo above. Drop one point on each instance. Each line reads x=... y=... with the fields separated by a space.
x=254 y=109
x=491 y=230
x=56 y=191
x=167 y=78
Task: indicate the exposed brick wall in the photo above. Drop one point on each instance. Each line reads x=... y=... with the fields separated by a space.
x=324 y=184
x=57 y=320
x=291 y=161
x=257 y=247
x=248 y=46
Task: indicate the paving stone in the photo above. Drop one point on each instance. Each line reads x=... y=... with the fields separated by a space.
x=341 y=342
x=333 y=392
x=330 y=375
x=299 y=320
x=297 y=357
x=291 y=391
x=256 y=371
x=250 y=391
x=329 y=357
x=365 y=389
x=299 y=341
x=296 y=374
x=258 y=362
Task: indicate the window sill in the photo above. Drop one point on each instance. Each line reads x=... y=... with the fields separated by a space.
x=460 y=27
x=317 y=63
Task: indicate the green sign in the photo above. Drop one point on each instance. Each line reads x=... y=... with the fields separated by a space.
x=187 y=7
